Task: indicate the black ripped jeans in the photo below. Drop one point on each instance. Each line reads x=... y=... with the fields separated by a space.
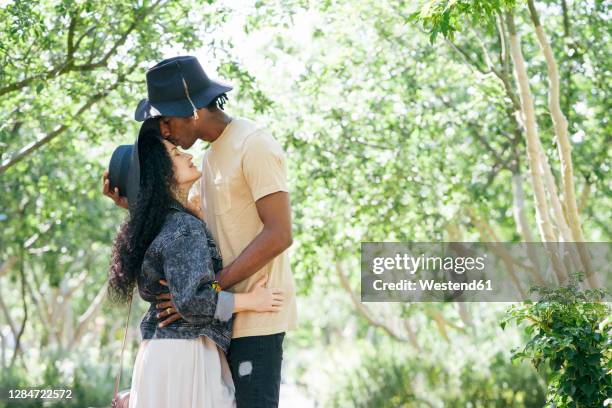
x=255 y=362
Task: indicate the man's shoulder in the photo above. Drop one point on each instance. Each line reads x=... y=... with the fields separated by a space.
x=246 y=129
x=246 y=136
x=259 y=138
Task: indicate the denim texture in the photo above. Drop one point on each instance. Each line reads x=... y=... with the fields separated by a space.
x=186 y=256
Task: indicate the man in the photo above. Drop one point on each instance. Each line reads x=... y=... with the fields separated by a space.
x=245 y=203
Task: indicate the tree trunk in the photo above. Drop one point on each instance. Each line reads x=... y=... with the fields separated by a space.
x=558 y=215
x=563 y=144
x=520 y=217
x=86 y=318
x=490 y=240
x=533 y=155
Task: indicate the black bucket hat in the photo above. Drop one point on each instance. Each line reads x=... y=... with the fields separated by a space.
x=177 y=87
x=124 y=166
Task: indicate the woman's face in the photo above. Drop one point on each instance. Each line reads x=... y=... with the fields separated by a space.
x=185 y=172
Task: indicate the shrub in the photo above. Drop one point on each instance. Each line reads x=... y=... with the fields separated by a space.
x=569 y=332
x=392 y=382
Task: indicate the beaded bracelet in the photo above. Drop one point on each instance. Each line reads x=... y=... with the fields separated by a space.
x=215 y=286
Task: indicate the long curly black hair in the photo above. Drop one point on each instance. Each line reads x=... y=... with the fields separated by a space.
x=142 y=226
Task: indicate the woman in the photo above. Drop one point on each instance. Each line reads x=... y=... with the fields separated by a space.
x=182 y=364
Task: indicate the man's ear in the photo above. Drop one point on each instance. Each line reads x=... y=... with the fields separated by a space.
x=203 y=114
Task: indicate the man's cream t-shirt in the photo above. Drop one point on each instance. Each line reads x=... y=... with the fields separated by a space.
x=242 y=165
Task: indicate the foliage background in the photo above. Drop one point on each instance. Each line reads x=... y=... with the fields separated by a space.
x=390 y=137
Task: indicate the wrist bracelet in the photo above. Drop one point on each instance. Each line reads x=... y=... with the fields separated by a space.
x=216 y=287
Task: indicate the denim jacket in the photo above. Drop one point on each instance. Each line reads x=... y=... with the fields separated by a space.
x=186 y=256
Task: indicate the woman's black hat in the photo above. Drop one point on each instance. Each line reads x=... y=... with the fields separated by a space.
x=124 y=166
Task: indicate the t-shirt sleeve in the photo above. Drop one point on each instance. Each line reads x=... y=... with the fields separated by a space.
x=264 y=165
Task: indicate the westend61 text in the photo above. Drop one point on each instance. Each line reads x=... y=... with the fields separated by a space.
x=430 y=284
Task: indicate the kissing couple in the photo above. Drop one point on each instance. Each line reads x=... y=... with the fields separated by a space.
x=215 y=268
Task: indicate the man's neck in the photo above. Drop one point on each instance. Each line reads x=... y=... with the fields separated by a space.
x=218 y=124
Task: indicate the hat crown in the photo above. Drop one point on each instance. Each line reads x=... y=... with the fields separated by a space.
x=165 y=80
x=177 y=87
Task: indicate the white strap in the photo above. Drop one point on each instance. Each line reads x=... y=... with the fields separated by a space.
x=127 y=322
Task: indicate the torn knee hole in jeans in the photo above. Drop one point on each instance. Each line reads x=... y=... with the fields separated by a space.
x=245 y=368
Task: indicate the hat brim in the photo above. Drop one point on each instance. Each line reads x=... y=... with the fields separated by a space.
x=133 y=179
x=180 y=107
x=124 y=166
x=124 y=173
x=118 y=167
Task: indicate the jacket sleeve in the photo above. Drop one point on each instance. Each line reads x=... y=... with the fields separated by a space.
x=188 y=267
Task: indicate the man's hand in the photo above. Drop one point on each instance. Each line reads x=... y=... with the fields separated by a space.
x=169 y=311
x=119 y=201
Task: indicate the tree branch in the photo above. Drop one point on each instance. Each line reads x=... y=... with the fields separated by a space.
x=68 y=64
x=466 y=57
x=70 y=40
x=25 y=309
x=7 y=316
x=582 y=204
x=88 y=316
x=30 y=148
x=363 y=309
x=490 y=239
x=487 y=58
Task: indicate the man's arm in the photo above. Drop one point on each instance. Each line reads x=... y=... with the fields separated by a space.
x=275 y=212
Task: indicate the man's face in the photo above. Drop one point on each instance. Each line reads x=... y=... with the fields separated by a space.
x=179 y=130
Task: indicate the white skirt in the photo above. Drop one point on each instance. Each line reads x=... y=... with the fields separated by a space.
x=182 y=373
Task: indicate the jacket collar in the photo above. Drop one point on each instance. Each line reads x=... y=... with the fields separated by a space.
x=177 y=206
